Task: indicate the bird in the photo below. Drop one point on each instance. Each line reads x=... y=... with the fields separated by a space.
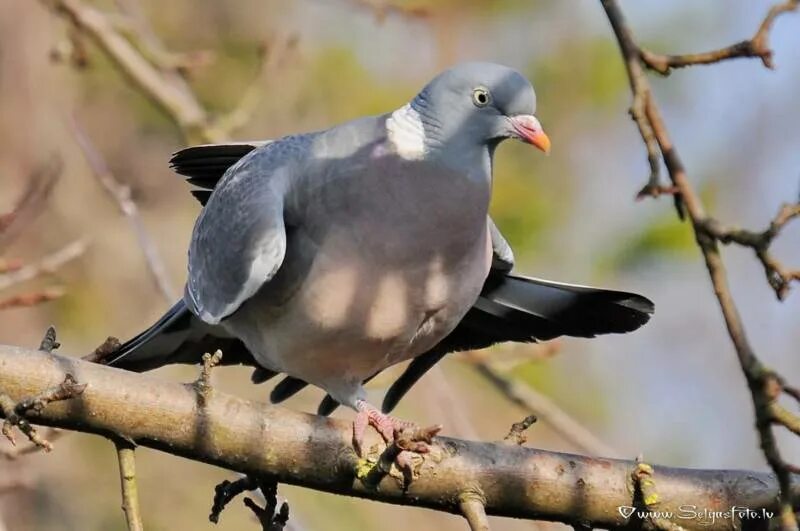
x=330 y=256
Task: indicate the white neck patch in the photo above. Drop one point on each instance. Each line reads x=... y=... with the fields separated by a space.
x=406 y=133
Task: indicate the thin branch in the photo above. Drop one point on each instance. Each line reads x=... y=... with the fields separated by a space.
x=46 y=266
x=546 y=411
x=471 y=506
x=41 y=182
x=121 y=194
x=310 y=451
x=132 y=21
x=49 y=343
x=226 y=491
x=272 y=54
x=126 y=458
x=268 y=518
x=516 y=435
x=16 y=413
x=155 y=70
x=778 y=276
x=761 y=381
x=104 y=350
x=25 y=300
x=644 y=486
x=203 y=383
x=382 y=9
x=756 y=47
x=49 y=435
x=170 y=93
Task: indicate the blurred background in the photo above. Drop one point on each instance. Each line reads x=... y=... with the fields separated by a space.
x=672 y=391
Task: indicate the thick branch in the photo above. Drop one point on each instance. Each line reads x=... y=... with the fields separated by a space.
x=315 y=452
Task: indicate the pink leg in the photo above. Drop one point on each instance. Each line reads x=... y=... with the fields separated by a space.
x=408 y=437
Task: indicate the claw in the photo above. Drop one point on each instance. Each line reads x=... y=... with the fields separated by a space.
x=403 y=438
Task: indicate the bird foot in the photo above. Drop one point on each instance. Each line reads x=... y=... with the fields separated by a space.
x=403 y=438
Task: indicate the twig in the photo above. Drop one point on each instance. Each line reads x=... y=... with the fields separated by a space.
x=31 y=299
x=46 y=266
x=267 y=517
x=160 y=77
x=106 y=348
x=171 y=93
x=130 y=492
x=382 y=9
x=516 y=435
x=758 y=46
x=121 y=194
x=546 y=411
x=472 y=507
x=272 y=54
x=15 y=413
x=134 y=24
x=778 y=276
x=203 y=383
x=50 y=435
x=226 y=491
x=644 y=487
x=49 y=342
x=761 y=381
x=40 y=185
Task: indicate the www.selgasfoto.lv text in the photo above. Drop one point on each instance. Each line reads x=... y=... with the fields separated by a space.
x=692 y=512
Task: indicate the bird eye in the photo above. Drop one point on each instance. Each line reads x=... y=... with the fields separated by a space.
x=481 y=97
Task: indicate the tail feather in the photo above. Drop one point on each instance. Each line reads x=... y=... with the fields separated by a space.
x=178 y=337
x=204 y=165
x=551 y=309
x=522 y=309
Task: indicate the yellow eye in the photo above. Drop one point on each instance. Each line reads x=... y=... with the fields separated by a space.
x=481 y=97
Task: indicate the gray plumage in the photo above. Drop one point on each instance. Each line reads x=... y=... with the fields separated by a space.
x=330 y=256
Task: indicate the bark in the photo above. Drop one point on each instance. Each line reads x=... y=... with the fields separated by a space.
x=315 y=452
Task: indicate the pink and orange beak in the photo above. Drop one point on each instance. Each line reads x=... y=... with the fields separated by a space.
x=528 y=129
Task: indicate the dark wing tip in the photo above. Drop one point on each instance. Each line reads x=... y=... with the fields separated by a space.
x=286 y=388
x=632 y=312
x=638 y=303
x=327 y=406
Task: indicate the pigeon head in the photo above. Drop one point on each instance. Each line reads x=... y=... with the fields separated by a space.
x=468 y=105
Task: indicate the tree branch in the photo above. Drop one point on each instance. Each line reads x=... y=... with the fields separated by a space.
x=47 y=265
x=121 y=194
x=765 y=386
x=545 y=410
x=169 y=92
x=757 y=46
x=778 y=276
x=40 y=185
x=315 y=452
x=130 y=491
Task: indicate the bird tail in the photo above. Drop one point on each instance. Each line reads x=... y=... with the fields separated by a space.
x=536 y=309
x=523 y=309
x=177 y=337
